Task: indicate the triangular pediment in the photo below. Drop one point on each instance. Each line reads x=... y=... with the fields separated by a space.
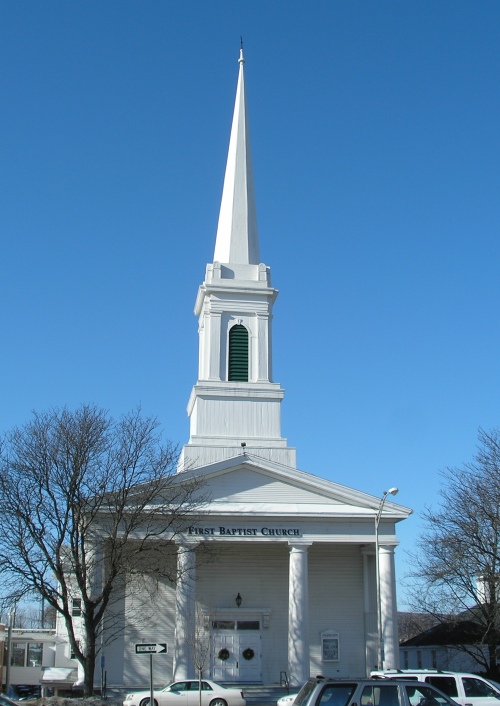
x=247 y=483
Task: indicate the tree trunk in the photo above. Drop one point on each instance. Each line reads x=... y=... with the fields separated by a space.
x=89 y=664
x=493 y=671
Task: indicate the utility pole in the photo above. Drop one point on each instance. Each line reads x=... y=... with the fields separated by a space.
x=12 y=616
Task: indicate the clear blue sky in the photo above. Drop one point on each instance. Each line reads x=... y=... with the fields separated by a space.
x=376 y=146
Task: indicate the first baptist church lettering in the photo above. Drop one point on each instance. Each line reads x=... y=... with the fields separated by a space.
x=298 y=551
x=244 y=531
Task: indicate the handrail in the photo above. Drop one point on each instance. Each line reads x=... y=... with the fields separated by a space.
x=284 y=681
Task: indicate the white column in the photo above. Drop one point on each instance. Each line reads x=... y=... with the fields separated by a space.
x=370 y=607
x=212 y=346
x=185 y=612
x=388 y=607
x=262 y=372
x=298 y=615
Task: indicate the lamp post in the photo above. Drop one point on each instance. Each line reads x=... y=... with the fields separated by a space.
x=380 y=632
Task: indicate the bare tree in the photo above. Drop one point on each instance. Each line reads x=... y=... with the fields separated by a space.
x=89 y=505
x=457 y=574
x=199 y=644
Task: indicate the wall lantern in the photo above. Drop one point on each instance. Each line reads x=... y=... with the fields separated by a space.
x=238 y=600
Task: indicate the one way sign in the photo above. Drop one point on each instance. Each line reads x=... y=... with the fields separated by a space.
x=151 y=648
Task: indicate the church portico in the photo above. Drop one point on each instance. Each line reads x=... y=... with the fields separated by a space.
x=294 y=589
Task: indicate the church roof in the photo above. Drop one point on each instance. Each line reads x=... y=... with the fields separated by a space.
x=237 y=240
x=249 y=484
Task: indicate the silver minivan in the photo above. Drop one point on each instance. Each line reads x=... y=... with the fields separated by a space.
x=465 y=689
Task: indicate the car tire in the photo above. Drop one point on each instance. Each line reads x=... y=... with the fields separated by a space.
x=146 y=702
x=218 y=702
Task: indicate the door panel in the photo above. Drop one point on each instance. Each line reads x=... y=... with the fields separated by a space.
x=225 y=669
x=236 y=667
x=250 y=669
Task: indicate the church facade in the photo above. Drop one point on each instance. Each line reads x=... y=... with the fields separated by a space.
x=295 y=588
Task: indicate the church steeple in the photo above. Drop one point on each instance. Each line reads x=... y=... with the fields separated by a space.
x=235 y=404
x=237 y=238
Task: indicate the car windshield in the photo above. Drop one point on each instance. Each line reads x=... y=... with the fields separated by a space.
x=304 y=693
x=495 y=685
x=176 y=686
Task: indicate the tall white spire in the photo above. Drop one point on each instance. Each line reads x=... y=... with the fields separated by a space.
x=237 y=239
x=235 y=404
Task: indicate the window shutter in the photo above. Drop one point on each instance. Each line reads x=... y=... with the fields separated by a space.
x=238 y=354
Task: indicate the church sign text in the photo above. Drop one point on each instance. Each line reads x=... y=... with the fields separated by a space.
x=245 y=531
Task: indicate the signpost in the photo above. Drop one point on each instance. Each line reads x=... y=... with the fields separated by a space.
x=151 y=648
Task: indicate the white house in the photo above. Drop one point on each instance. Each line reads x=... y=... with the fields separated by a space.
x=31 y=652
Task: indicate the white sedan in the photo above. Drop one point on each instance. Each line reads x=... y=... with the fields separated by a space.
x=187 y=693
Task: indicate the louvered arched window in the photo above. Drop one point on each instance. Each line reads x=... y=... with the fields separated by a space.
x=238 y=354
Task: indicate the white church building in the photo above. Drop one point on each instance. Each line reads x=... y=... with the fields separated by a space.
x=294 y=589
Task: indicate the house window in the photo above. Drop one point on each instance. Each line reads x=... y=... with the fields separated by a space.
x=26 y=654
x=35 y=653
x=72 y=653
x=405 y=659
x=238 y=354
x=223 y=624
x=419 y=659
x=76 y=608
x=248 y=625
x=434 y=659
x=18 y=658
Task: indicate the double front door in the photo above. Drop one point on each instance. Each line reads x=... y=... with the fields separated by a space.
x=236 y=651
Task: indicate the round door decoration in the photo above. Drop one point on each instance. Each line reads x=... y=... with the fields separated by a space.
x=223 y=654
x=248 y=654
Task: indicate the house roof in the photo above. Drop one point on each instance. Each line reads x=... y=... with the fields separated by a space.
x=58 y=675
x=463 y=632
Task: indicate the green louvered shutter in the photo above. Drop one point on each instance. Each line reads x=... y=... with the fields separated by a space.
x=238 y=353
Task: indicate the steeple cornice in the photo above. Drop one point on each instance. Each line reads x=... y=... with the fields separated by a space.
x=237 y=239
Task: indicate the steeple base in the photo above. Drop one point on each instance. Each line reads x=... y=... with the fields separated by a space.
x=228 y=417
x=196 y=455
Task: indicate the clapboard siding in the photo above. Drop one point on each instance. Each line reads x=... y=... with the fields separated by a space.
x=150 y=612
x=245 y=486
x=336 y=603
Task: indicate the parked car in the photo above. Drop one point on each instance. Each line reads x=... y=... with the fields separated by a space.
x=466 y=689
x=5 y=701
x=187 y=693
x=370 y=692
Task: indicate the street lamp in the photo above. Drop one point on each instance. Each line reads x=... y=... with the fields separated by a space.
x=381 y=656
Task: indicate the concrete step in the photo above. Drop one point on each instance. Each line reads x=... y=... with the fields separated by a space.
x=262 y=693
